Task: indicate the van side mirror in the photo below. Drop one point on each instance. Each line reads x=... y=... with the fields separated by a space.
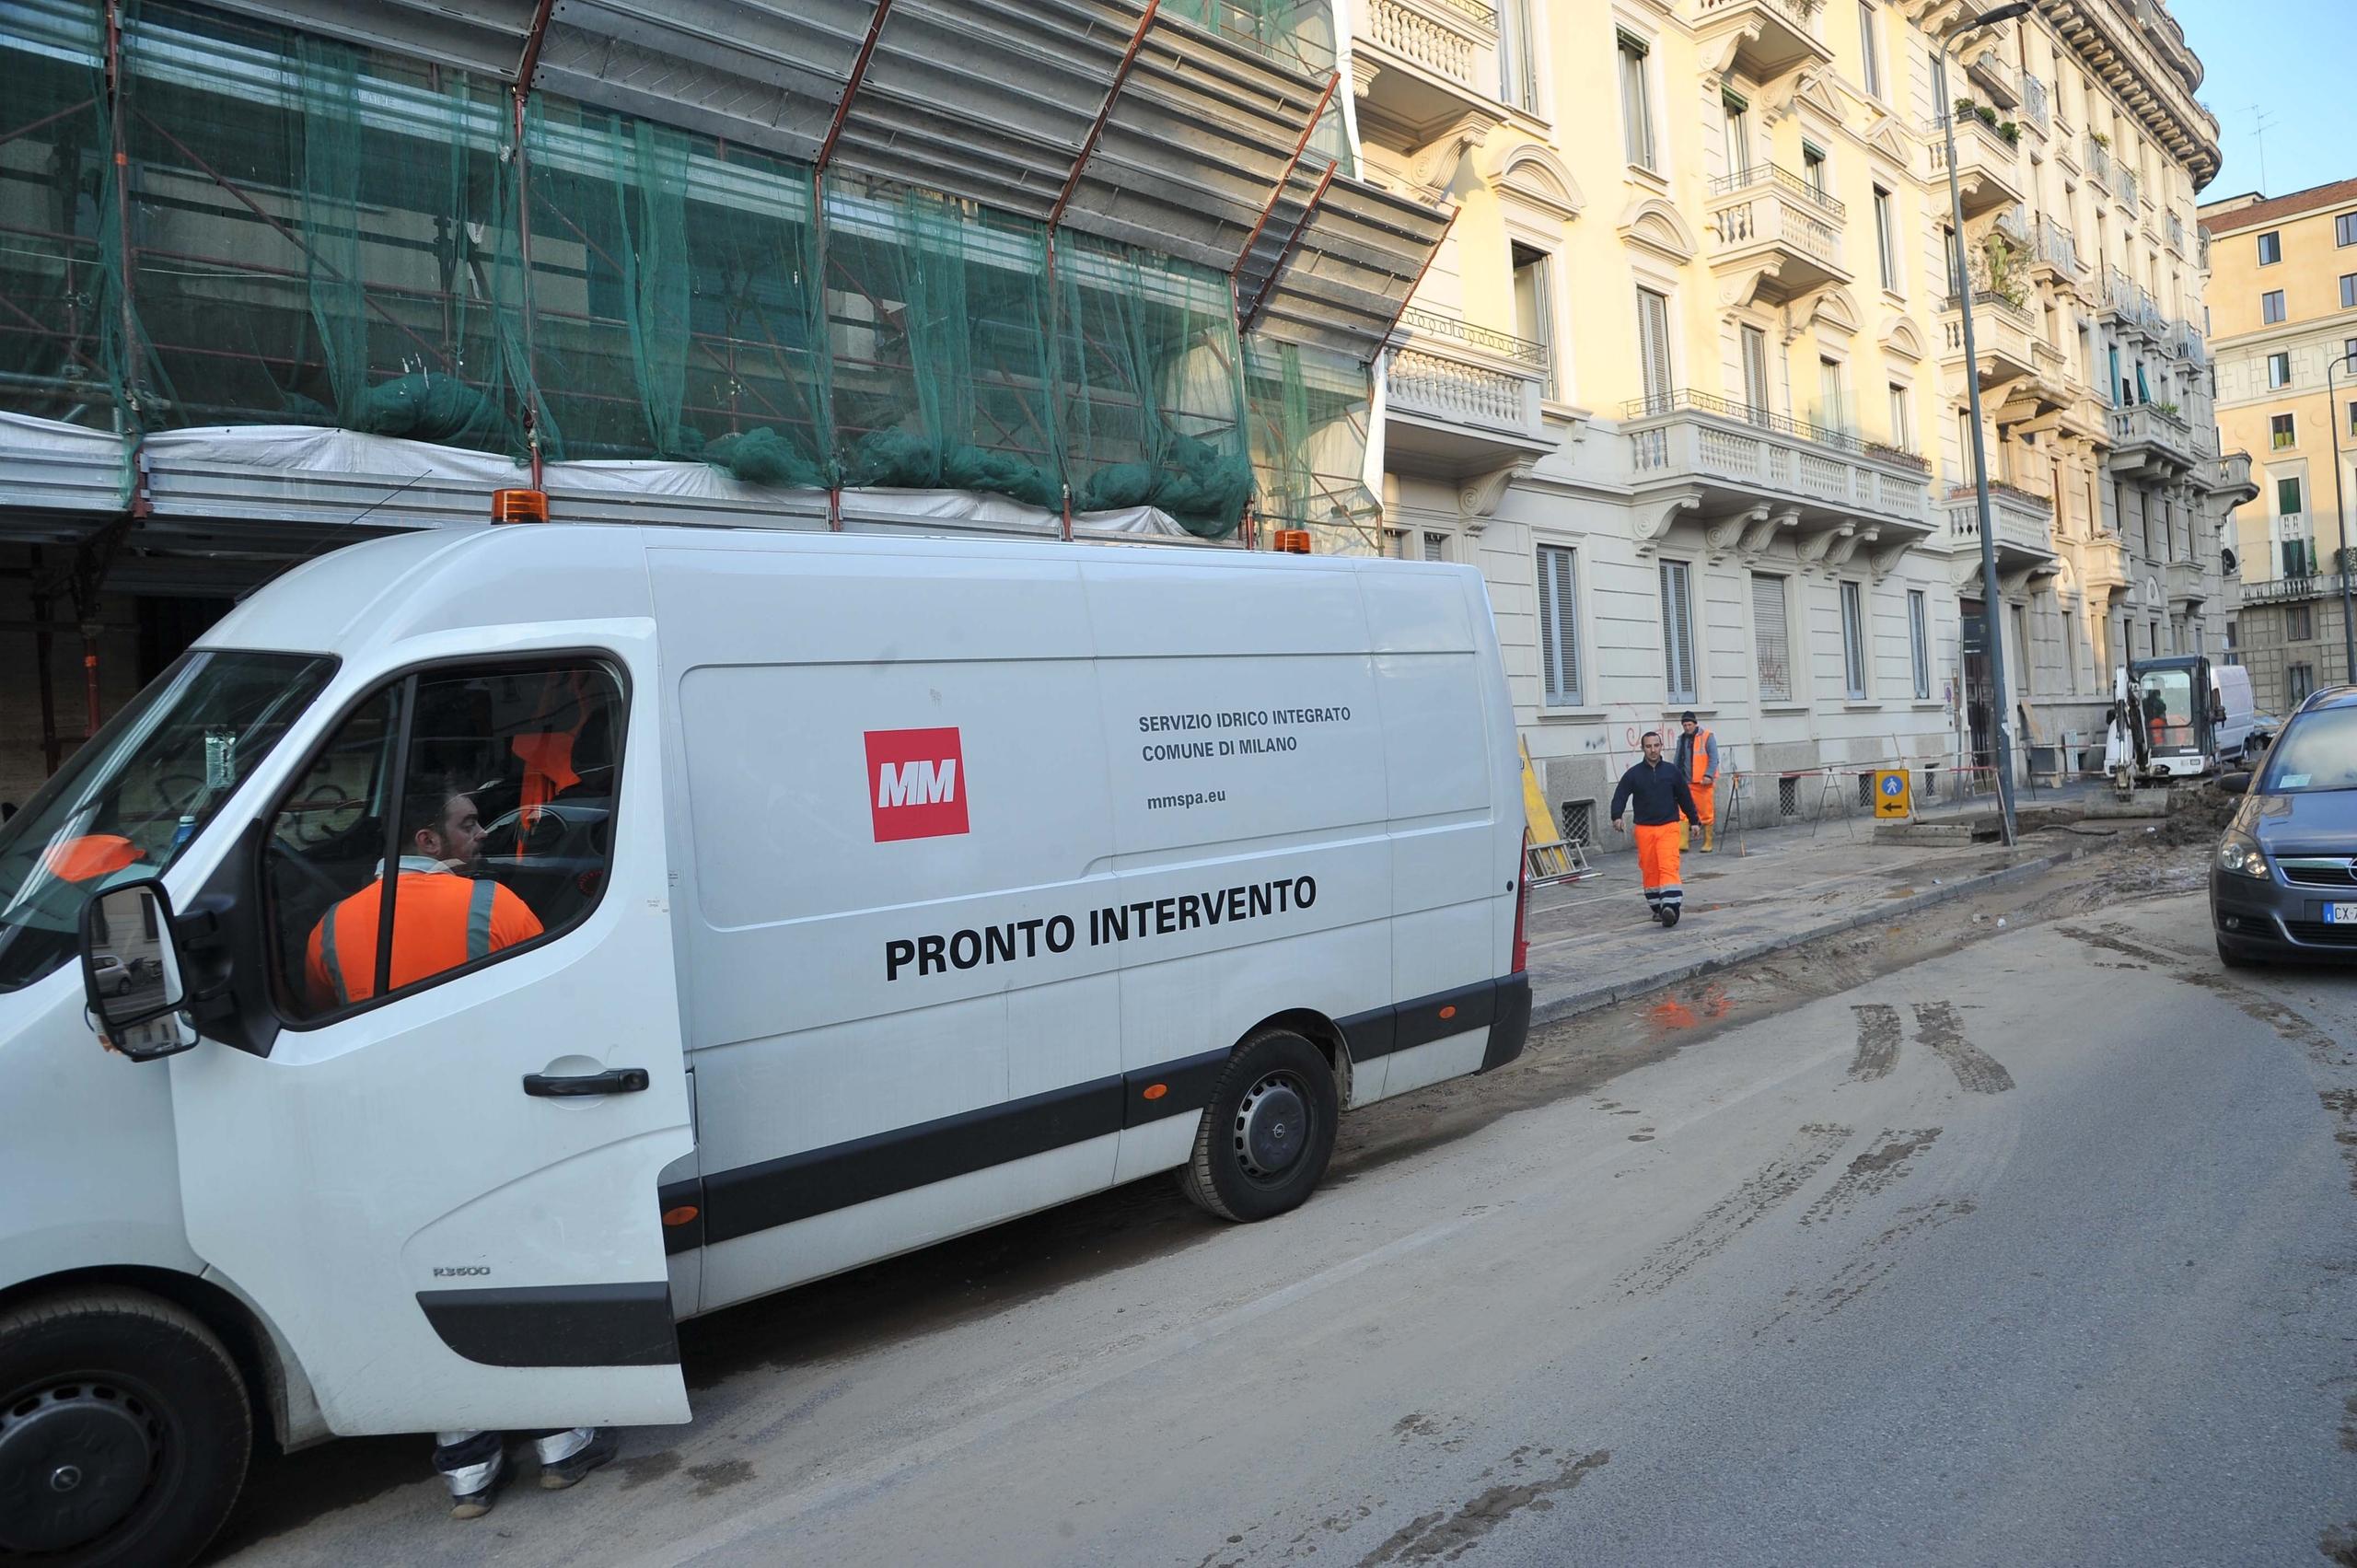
x=131 y=970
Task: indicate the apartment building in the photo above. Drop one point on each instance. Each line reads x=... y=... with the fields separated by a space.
x=1687 y=377
x=2283 y=303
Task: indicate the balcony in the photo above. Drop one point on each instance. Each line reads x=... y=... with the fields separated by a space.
x=2099 y=165
x=2013 y=224
x=2185 y=341
x=2037 y=103
x=2228 y=475
x=2131 y=307
x=2129 y=188
x=1750 y=477
x=1764 y=40
x=2182 y=582
x=1993 y=75
x=2056 y=249
x=2004 y=336
x=1436 y=62
x=2024 y=524
x=1770 y=222
x=1461 y=398
x=2173 y=228
x=2103 y=565
x=2149 y=443
x=1987 y=171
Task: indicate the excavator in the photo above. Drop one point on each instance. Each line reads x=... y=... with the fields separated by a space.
x=2162 y=726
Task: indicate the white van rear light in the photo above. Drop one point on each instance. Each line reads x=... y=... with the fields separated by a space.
x=1522 y=907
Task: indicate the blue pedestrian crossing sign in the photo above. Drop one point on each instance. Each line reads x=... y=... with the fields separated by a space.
x=1892 y=797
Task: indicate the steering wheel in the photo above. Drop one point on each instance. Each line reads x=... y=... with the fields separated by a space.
x=327 y=812
x=179 y=791
x=282 y=852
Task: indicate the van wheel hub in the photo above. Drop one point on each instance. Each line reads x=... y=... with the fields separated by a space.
x=75 y=1459
x=1271 y=1127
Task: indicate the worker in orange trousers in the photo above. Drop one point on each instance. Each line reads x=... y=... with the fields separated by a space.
x=1660 y=795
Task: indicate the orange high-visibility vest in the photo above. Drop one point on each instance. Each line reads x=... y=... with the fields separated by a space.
x=440 y=921
x=1698 y=767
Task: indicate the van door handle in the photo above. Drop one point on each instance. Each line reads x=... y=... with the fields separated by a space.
x=613 y=1081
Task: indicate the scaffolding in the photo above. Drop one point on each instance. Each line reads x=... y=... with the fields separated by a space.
x=212 y=220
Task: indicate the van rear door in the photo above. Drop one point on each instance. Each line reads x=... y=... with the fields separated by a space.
x=442 y=1192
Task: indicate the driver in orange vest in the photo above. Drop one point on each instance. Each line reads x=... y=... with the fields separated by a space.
x=443 y=915
x=1698 y=761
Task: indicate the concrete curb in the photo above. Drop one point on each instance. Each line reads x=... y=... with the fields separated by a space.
x=1570 y=1004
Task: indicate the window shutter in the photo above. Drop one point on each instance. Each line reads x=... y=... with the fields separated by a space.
x=1653 y=344
x=1771 y=638
x=1677 y=631
x=1853 y=641
x=1559 y=650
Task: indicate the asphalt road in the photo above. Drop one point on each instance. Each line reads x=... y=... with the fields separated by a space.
x=2041 y=1251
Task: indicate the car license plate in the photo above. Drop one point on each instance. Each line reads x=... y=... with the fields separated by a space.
x=2341 y=914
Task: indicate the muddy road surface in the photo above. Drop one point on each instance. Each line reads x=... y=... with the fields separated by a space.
x=2013 y=1232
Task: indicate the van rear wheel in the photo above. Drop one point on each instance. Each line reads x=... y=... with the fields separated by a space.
x=124 y=1431
x=1268 y=1132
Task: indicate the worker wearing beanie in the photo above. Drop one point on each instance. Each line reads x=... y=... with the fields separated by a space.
x=1661 y=797
x=1698 y=764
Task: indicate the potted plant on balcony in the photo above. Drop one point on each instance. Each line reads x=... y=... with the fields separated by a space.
x=2010 y=129
x=2099 y=139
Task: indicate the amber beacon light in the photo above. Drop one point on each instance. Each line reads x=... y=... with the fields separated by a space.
x=1292 y=541
x=519 y=506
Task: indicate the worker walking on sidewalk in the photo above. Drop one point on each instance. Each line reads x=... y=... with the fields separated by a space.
x=1698 y=764
x=1659 y=793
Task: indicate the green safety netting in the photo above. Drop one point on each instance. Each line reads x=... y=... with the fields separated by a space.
x=1310 y=408
x=1299 y=33
x=939 y=326
x=319 y=236
x=327 y=235
x=56 y=294
x=1153 y=414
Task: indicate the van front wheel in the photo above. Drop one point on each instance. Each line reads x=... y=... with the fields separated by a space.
x=1268 y=1132
x=124 y=1431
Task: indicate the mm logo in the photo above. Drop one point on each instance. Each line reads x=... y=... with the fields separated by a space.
x=916 y=783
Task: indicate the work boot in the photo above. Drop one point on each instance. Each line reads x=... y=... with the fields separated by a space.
x=1707 y=833
x=474 y=1466
x=599 y=1445
x=1668 y=916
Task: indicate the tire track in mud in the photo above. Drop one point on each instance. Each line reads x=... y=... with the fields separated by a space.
x=1875 y=1262
x=2289 y=1023
x=1811 y=1149
x=1878 y=1042
x=1878 y=1168
x=1446 y=1536
x=2111 y=942
x=1937 y=1025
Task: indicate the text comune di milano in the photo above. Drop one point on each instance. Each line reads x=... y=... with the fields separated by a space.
x=1108 y=924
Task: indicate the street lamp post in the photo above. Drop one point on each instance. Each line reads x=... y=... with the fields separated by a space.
x=1992 y=623
x=2341 y=515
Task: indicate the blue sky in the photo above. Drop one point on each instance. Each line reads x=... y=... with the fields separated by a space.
x=2294 y=58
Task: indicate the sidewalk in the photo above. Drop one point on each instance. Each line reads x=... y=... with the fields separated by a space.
x=1593 y=943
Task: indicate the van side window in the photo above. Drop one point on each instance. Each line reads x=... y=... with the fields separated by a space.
x=457 y=814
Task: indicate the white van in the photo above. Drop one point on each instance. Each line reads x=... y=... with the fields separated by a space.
x=2234 y=715
x=810 y=898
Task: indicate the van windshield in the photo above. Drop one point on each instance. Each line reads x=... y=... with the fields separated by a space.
x=128 y=802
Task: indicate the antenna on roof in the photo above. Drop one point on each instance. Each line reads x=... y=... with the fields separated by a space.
x=2261 y=121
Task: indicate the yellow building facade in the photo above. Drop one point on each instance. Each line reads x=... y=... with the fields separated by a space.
x=2283 y=303
x=1686 y=378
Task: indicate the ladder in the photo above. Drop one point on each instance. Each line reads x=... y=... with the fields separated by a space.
x=1549 y=859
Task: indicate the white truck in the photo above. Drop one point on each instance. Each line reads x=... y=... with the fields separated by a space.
x=825 y=896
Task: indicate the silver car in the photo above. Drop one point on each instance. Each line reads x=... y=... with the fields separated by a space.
x=2283 y=882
